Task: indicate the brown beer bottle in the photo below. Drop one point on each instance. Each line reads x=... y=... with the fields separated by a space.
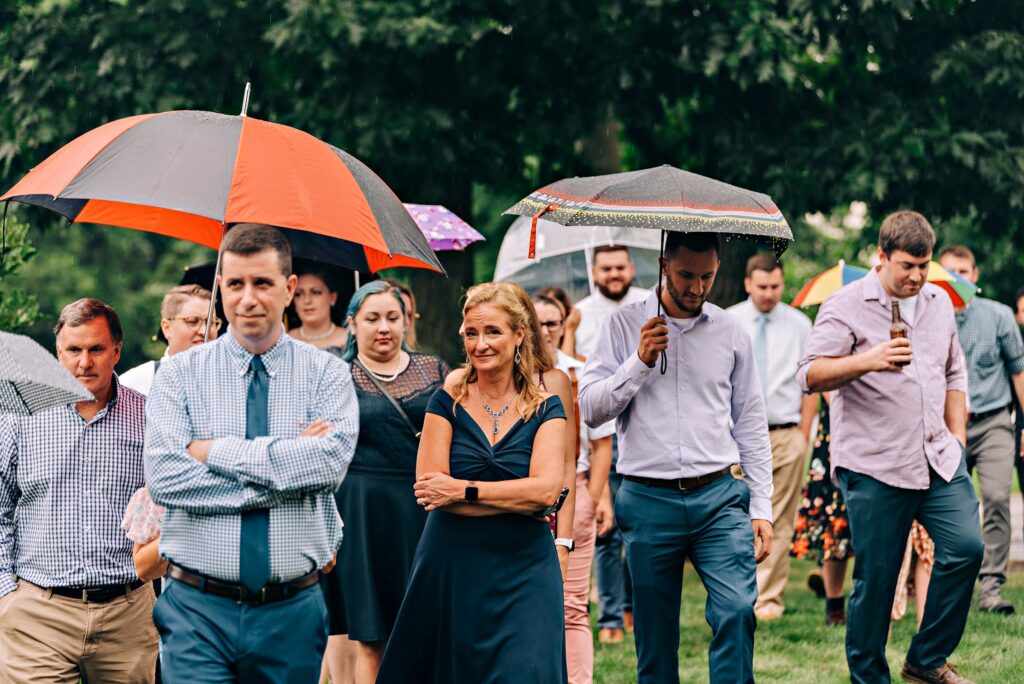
x=898 y=328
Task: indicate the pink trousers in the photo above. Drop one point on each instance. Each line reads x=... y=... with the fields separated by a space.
x=579 y=641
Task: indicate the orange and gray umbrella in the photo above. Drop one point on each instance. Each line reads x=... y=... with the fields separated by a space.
x=189 y=174
x=31 y=380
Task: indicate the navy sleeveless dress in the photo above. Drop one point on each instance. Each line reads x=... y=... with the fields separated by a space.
x=484 y=601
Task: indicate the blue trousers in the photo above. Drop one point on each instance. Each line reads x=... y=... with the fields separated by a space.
x=880 y=518
x=711 y=526
x=214 y=640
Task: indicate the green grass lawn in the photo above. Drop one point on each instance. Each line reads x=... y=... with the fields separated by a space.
x=798 y=648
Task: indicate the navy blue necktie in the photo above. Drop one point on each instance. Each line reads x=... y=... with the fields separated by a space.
x=254 y=553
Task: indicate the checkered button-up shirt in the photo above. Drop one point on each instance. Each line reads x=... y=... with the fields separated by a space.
x=64 y=485
x=992 y=344
x=200 y=394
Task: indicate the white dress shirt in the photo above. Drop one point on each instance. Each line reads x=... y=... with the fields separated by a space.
x=141 y=377
x=787 y=332
x=704 y=414
x=594 y=310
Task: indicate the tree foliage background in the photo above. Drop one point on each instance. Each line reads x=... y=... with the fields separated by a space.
x=842 y=110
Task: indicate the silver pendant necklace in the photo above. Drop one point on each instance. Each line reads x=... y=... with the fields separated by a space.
x=495 y=416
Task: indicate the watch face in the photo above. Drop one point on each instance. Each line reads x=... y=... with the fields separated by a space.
x=472 y=493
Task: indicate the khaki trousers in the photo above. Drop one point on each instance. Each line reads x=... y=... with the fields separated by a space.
x=52 y=639
x=789 y=463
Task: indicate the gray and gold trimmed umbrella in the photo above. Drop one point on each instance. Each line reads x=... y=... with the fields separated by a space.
x=660 y=198
x=32 y=380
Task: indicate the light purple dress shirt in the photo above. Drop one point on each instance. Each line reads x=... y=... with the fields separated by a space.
x=891 y=425
x=706 y=413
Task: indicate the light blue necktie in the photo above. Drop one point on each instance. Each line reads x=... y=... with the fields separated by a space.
x=254 y=551
x=761 y=351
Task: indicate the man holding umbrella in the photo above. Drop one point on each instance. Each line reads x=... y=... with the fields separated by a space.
x=247 y=439
x=680 y=431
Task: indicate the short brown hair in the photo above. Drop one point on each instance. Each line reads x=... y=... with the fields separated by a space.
x=907 y=231
x=252 y=238
x=178 y=295
x=763 y=261
x=608 y=249
x=84 y=310
x=961 y=252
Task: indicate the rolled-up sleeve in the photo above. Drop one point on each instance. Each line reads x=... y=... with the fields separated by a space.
x=956 y=367
x=831 y=337
x=1010 y=344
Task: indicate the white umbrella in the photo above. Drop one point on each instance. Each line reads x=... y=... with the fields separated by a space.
x=564 y=256
x=31 y=379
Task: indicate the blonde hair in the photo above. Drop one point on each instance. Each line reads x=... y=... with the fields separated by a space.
x=516 y=305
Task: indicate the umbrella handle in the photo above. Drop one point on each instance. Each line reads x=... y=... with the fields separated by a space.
x=661 y=260
x=533 y=229
x=213 y=287
x=3 y=240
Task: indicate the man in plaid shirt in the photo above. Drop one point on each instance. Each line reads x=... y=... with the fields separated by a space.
x=247 y=439
x=71 y=605
x=995 y=365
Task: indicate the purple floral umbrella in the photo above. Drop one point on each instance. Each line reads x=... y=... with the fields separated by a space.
x=443 y=229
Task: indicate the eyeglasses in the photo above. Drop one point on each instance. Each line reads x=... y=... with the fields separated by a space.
x=551 y=325
x=197 y=323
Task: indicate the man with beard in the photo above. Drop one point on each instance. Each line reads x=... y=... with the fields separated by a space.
x=681 y=431
x=898 y=430
x=613 y=274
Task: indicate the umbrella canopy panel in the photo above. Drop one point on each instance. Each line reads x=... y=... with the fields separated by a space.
x=443 y=229
x=187 y=173
x=32 y=380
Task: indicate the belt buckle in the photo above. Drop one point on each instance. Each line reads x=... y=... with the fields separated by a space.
x=679 y=484
x=263 y=595
x=85 y=595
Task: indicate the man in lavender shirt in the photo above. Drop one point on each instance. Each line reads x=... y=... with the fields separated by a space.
x=897 y=448
x=681 y=425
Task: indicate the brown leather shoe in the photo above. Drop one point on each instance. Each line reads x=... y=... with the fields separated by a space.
x=946 y=674
x=610 y=635
x=816 y=582
x=627 y=621
x=835 y=618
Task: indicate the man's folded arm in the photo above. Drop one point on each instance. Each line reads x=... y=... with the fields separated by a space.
x=8 y=502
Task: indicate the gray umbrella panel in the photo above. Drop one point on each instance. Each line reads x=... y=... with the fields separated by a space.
x=32 y=380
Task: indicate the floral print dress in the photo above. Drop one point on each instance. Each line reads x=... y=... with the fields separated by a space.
x=822 y=531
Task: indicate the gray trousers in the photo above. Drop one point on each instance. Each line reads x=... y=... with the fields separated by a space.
x=990 y=450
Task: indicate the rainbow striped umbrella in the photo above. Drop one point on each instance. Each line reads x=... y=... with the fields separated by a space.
x=825 y=284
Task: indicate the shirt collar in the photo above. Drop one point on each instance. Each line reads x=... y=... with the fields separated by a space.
x=756 y=313
x=115 y=393
x=242 y=357
x=651 y=309
x=873 y=289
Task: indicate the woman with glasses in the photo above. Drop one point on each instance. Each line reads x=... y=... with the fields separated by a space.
x=593 y=510
x=315 y=303
x=182 y=324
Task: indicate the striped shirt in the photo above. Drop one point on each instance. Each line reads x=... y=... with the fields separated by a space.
x=64 y=485
x=992 y=344
x=200 y=394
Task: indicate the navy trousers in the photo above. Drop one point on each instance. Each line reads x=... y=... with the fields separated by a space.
x=214 y=640
x=880 y=518
x=711 y=526
x=614 y=589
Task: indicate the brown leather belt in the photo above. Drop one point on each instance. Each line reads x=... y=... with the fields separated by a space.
x=781 y=426
x=101 y=594
x=236 y=592
x=683 y=484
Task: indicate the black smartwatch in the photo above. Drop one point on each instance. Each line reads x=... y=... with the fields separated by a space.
x=472 y=493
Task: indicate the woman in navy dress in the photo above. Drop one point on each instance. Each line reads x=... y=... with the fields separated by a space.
x=484 y=601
